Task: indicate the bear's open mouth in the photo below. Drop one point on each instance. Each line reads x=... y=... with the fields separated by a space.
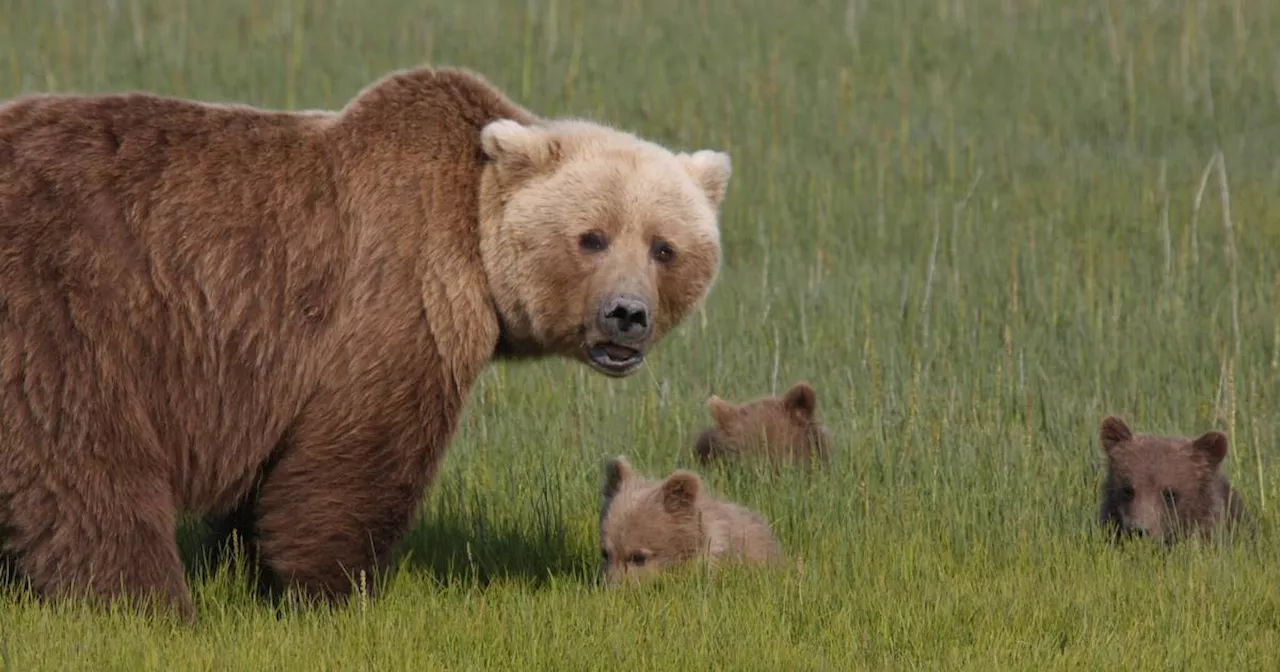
x=614 y=359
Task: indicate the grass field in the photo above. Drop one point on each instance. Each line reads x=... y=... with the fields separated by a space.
x=976 y=226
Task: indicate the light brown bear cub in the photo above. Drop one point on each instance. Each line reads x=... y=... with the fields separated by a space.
x=784 y=429
x=647 y=526
x=1164 y=487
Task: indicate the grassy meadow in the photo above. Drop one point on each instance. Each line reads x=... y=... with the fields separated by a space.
x=976 y=226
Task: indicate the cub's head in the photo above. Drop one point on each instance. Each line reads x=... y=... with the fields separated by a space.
x=646 y=526
x=782 y=427
x=595 y=242
x=1160 y=487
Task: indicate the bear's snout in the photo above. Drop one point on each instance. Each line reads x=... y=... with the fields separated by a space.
x=1142 y=522
x=625 y=320
x=623 y=328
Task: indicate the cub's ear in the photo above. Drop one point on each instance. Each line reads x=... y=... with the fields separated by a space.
x=721 y=410
x=1113 y=432
x=616 y=472
x=801 y=400
x=710 y=170
x=1212 y=446
x=680 y=491
x=520 y=150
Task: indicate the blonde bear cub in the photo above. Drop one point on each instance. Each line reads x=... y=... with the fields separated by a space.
x=647 y=526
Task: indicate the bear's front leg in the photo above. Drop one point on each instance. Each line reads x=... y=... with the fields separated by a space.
x=338 y=501
x=113 y=542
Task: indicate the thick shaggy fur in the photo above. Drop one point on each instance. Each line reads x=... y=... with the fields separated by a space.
x=274 y=320
x=1164 y=487
x=647 y=526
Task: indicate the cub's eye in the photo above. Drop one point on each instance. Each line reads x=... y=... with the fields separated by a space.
x=604 y=555
x=662 y=252
x=593 y=241
x=637 y=559
x=1170 y=497
x=1127 y=492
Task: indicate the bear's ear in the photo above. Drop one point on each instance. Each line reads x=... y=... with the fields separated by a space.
x=1212 y=446
x=721 y=410
x=680 y=491
x=710 y=170
x=616 y=472
x=801 y=400
x=1113 y=432
x=519 y=150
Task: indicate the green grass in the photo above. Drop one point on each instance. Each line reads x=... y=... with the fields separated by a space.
x=977 y=226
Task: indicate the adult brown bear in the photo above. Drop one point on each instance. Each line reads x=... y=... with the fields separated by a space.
x=276 y=318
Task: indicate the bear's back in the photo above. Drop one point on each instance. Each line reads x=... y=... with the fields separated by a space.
x=148 y=210
x=155 y=248
x=739 y=533
x=63 y=154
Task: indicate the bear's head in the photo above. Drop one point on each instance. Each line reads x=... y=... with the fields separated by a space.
x=595 y=242
x=1160 y=487
x=646 y=526
x=782 y=427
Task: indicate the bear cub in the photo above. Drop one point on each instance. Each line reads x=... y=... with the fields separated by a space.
x=784 y=428
x=1164 y=487
x=647 y=526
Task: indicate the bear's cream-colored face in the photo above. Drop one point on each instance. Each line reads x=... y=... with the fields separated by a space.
x=1160 y=487
x=596 y=243
x=647 y=526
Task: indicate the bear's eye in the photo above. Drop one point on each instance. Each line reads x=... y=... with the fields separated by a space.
x=1170 y=497
x=593 y=241
x=604 y=555
x=662 y=252
x=637 y=559
x=1127 y=492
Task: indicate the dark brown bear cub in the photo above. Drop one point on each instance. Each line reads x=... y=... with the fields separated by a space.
x=1164 y=487
x=783 y=429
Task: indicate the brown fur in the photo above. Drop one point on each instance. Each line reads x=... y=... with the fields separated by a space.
x=1164 y=487
x=647 y=526
x=785 y=428
x=274 y=319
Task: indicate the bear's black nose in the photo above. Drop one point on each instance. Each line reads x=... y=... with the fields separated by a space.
x=625 y=318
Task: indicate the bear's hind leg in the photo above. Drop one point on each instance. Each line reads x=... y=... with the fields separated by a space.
x=102 y=544
x=330 y=511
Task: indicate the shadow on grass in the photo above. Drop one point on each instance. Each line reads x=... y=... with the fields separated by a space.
x=11 y=577
x=470 y=549
x=456 y=547
x=209 y=552
x=476 y=550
